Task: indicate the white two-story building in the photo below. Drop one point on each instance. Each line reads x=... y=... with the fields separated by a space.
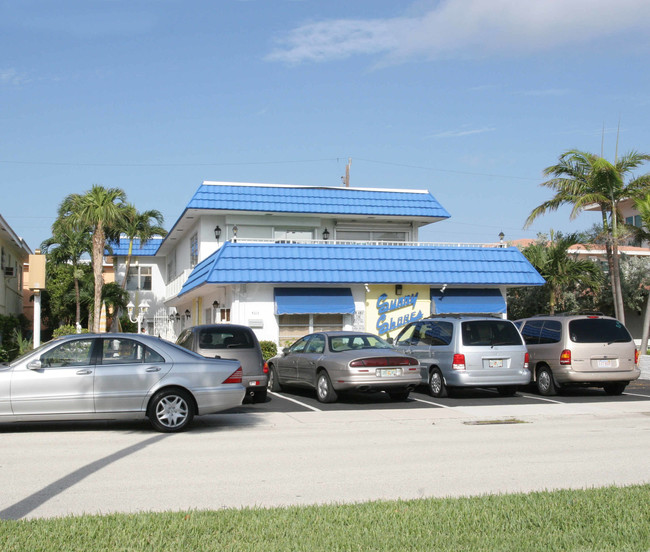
x=287 y=260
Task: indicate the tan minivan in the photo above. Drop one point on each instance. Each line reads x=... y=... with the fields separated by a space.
x=579 y=350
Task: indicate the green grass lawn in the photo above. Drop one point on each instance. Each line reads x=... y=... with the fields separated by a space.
x=609 y=518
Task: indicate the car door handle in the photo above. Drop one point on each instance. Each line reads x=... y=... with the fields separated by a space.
x=153 y=369
x=84 y=372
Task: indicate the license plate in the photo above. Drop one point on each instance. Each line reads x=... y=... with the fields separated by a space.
x=389 y=372
x=496 y=363
x=604 y=364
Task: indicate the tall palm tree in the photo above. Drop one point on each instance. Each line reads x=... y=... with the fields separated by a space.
x=582 y=179
x=101 y=210
x=559 y=268
x=144 y=226
x=67 y=245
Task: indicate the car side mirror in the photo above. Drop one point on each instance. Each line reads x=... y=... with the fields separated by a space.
x=35 y=365
x=217 y=356
x=285 y=351
x=390 y=340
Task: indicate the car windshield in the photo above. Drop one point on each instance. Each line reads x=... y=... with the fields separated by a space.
x=477 y=333
x=350 y=342
x=598 y=330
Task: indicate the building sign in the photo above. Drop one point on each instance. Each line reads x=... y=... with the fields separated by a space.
x=387 y=312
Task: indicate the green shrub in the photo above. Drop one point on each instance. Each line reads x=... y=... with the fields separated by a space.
x=269 y=349
x=68 y=329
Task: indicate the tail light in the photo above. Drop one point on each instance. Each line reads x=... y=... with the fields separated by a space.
x=266 y=368
x=636 y=356
x=459 y=362
x=383 y=361
x=235 y=377
x=526 y=361
x=565 y=357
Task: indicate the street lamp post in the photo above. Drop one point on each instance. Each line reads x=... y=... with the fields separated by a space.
x=142 y=309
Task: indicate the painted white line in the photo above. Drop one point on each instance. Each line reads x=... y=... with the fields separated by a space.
x=637 y=395
x=295 y=401
x=541 y=398
x=433 y=403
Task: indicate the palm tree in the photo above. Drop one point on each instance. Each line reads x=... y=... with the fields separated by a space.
x=143 y=225
x=101 y=210
x=583 y=179
x=67 y=245
x=560 y=269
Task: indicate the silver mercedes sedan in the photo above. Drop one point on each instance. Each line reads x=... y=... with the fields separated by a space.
x=331 y=362
x=117 y=376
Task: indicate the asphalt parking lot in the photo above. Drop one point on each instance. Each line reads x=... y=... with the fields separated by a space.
x=303 y=400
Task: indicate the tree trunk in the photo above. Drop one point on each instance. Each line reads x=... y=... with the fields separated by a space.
x=616 y=284
x=77 y=299
x=646 y=327
x=98 y=265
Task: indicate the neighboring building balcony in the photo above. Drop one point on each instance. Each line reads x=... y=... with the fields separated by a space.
x=173 y=288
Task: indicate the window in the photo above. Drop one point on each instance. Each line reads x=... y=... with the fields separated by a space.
x=552 y=332
x=299 y=346
x=127 y=351
x=598 y=330
x=316 y=345
x=72 y=353
x=436 y=334
x=281 y=234
x=292 y=326
x=478 y=333
x=171 y=267
x=194 y=250
x=225 y=338
x=368 y=235
x=139 y=278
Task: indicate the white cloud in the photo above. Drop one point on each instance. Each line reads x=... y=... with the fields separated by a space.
x=461 y=132
x=12 y=77
x=466 y=28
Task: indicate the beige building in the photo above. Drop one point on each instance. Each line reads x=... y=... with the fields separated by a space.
x=14 y=253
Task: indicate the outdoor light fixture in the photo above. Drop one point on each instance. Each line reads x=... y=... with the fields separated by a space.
x=234 y=231
x=217 y=232
x=188 y=314
x=142 y=309
x=215 y=305
x=398 y=289
x=172 y=317
x=501 y=236
x=326 y=235
x=178 y=317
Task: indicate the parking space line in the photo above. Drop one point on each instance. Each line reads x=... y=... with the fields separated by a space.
x=637 y=395
x=295 y=401
x=433 y=403
x=541 y=398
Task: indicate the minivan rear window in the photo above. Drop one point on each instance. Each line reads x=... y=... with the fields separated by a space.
x=477 y=333
x=598 y=330
x=232 y=338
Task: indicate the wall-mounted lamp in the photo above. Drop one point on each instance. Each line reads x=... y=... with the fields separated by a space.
x=215 y=304
x=443 y=288
x=234 y=233
x=367 y=288
x=398 y=289
x=188 y=314
x=172 y=317
x=326 y=235
x=178 y=317
x=217 y=232
x=501 y=236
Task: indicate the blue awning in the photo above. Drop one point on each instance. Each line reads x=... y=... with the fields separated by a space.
x=313 y=301
x=476 y=301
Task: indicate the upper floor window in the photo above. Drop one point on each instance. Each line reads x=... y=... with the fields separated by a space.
x=194 y=250
x=371 y=235
x=139 y=278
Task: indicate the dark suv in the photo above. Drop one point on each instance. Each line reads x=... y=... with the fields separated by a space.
x=231 y=341
x=579 y=349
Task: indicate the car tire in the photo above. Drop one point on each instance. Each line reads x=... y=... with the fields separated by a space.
x=507 y=390
x=437 y=387
x=171 y=410
x=325 y=393
x=615 y=388
x=273 y=384
x=401 y=395
x=259 y=395
x=545 y=382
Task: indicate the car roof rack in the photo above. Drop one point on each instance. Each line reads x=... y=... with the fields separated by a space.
x=465 y=315
x=572 y=313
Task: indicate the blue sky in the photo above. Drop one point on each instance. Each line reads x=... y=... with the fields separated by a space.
x=470 y=99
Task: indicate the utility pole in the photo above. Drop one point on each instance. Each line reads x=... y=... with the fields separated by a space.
x=347 y=173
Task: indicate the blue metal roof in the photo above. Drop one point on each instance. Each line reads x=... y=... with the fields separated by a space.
x=316 y=200
x=372 y=264
x=150 y=247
